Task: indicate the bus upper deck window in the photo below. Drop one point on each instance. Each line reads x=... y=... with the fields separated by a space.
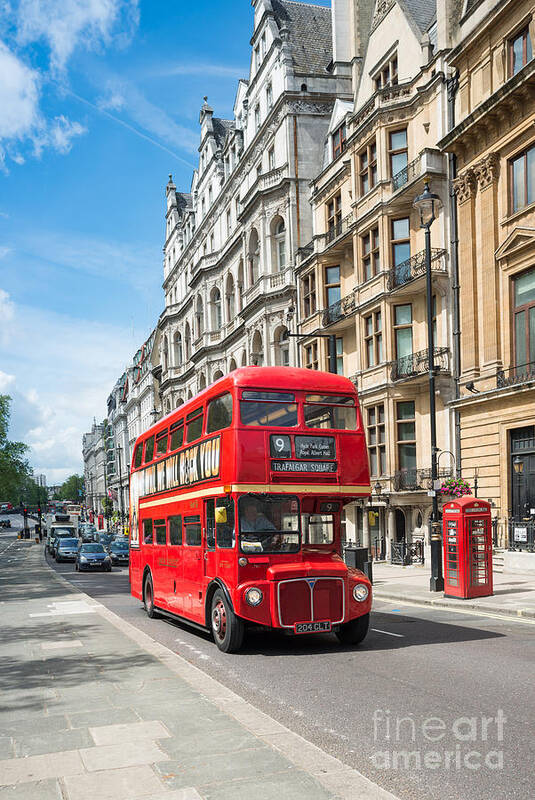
x=219 y=413
x=177 y=435
x=138 y=455
x=161 y=444
x=269 y=409
x=149 y=450
x=330 y=411
x=194 y=422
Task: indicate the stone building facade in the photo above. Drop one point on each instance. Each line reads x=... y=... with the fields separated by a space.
x=493 y=141
x=229 y=277
x=362 y=276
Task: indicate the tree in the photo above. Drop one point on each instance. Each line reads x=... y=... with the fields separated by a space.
x=71 y=489
x=15 y=472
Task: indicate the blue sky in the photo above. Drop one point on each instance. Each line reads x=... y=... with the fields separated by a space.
x=99 y=101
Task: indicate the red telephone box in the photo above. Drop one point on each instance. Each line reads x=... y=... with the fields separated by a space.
x=467 y=542
x=100 y=521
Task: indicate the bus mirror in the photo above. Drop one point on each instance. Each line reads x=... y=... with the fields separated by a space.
x=220 y=515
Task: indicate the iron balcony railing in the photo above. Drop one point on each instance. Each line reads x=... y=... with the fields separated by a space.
x=408 y=173
x=414 y=480
x=514 y=376
x=342 y=308
x=339 y=228
x=418 y=363
x=415 y=266
x=306 y=251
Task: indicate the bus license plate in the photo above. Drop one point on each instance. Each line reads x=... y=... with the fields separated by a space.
x=312 y=627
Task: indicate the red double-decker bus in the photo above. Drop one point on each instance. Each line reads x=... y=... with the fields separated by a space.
x=235 y=505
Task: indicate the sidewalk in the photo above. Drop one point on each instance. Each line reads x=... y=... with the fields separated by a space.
x=514 y=595
x=92 y=707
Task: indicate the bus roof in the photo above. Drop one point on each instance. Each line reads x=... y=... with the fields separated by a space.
x=266 y=378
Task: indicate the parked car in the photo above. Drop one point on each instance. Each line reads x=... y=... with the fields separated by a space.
x=92 y=556
x=119 y=551
x=66 y=549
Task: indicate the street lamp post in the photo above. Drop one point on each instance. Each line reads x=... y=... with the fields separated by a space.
x=426 y=204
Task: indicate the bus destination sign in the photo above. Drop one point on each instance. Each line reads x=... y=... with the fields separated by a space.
x=303 y=466
x=314 y=446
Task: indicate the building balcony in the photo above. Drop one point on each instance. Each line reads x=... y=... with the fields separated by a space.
x=428 y=163
x=263 y=183
x=340 y=310
x=415 y=267
x=204 y=264
x=267 y=284
x=335 y=236
x=416 y=480
x=418 y=364
x=304 y=253
x=516 y=376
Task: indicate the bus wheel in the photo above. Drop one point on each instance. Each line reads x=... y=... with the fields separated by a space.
x=148 y=598
x=227 y=628
x=354 y=632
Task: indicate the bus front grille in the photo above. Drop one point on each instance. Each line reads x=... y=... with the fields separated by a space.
x=310 y=600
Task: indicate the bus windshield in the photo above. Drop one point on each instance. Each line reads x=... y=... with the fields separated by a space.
x=269 y=524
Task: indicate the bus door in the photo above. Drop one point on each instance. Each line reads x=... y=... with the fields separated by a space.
x=210 y=566
x=160 y=571
x=175 y=567
x=193 y=565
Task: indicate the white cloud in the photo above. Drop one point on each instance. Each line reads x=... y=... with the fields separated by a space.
x=206 y=69
x=60 y=372
x=5 y=381
x=113 y=102
x=7 y=315
x=4 y=251
x=58 y=135
x=19 y=96
x=66 y=25
x=21 y=120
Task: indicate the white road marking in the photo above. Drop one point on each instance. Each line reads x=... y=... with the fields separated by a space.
x=388 y=633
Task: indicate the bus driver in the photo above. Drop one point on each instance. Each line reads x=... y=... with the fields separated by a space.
x=254 y=520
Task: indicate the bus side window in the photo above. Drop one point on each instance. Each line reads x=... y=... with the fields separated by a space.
x=175 y=530
x=161 y=444
x=193 y=531
x=224 y=516
x=159 y=530
x=177 y=435
x=147 y=531
x=210 y=523
x=194 y=422
x=138 y=455
x=149 y=449
x=219 y=414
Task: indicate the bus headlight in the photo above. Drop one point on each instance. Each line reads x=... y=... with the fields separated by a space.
x=254 y=596
x=360 y=592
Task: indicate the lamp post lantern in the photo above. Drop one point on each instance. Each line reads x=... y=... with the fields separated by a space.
x=427 y=204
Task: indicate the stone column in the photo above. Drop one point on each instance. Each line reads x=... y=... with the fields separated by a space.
x=365 y=528
x=487 y=174
x=390 y=530
x=465 y=188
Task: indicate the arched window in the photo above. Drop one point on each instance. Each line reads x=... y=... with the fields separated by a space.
x=216 y=313
x=278 y=231
x=165 y=355
x=257 y=350
x=254 y=257
x=178 y=349
x=217 y=374
x=199 y=317
x=202 y=381
x=229 y=297
x=232 y=365
x=244 y=359
x=187 y=341
x=282 y=347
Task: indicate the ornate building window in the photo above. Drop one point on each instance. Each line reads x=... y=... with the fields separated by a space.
x=370 y=253
x=520 y=51
x=199 y=317
x=254 y=257
x=406 y=435
x=522 y=179
x=279 y=230
x=403 y=335
x=524 y=318
x=178 y=349
x=334 y=216
x=373 y=338
x=398 y=151
x=332 y=286
x=375 y=429
x=187 y=341
x=339 y=139
x=217 y=316
x=282 y=347
x=368 y=168
x=311 y=355
x=308 y=286
x=257 y=350
x=387 y=75
x=229 y=295
x=400 y=241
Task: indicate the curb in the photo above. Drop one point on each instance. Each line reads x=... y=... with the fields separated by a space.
x=343 y=781
x=466 y=606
